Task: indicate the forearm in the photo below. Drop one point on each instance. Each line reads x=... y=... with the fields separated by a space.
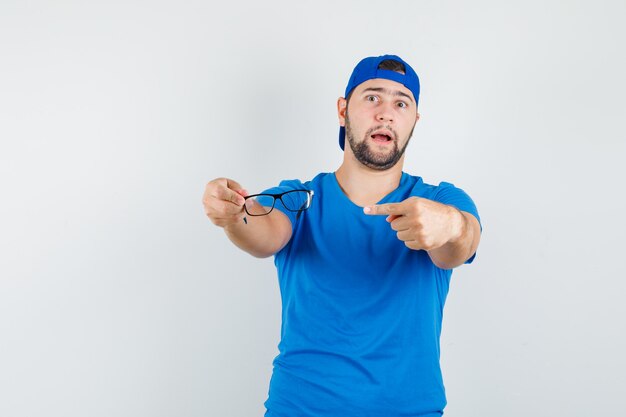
x=261 y=236
x=461 y=247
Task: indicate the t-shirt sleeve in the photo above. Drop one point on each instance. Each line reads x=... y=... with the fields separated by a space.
x=447 y=193
x=284 y=186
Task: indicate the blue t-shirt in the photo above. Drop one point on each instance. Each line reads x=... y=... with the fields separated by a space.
x=361 y=312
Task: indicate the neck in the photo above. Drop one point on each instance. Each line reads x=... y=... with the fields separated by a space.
x=366 y=186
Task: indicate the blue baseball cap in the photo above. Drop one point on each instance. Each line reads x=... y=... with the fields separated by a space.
x=367 y=69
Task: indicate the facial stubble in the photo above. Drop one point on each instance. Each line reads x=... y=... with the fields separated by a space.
x=364 y=153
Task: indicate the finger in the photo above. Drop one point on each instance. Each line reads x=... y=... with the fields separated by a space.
x=222 y=210
x=225 y=208
x=233 y=185
x=383 y=209
x=402 y=223
x=405 y=235
x=392 y=217
x=226 y=194
x=413 y=244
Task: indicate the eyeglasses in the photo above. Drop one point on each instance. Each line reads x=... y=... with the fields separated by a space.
x=263 y=204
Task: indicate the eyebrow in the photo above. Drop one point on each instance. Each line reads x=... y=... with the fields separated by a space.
x=387 y=91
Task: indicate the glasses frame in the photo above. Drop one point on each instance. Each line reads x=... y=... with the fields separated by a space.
x=279 y=197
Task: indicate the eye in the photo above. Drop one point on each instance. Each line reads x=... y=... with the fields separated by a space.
x=402 y=104
x=371 y=98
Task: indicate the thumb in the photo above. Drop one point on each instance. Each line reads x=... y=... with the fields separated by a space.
x=233 y=185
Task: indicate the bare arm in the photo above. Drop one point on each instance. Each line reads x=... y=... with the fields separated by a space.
x=262 y=236
x=449 y=236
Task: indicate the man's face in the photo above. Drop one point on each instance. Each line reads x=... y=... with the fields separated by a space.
x=379 y=121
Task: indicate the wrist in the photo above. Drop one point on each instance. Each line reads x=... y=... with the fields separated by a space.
x=458 y=225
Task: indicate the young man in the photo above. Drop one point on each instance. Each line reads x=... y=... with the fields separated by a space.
x=365 y=270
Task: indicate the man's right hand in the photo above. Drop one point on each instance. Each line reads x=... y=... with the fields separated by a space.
x=223 y=202
x=264 y=236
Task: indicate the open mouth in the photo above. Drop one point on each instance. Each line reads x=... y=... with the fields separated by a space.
x=381 y=137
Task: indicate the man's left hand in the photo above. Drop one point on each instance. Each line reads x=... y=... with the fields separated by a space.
x=421 y=223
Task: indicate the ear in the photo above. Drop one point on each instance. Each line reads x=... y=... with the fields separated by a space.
x=341 y=111
x=417 y=117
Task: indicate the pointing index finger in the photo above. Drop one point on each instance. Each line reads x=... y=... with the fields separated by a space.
x=382 y=209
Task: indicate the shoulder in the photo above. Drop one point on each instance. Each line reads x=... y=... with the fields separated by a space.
x=448 y=191
x=419 y=188
x=319 y=181
x=288 y=185
x=445 y=193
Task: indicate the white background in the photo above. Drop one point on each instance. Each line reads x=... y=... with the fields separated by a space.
x=118 y=297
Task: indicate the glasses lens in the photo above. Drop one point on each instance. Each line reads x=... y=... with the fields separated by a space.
x=259 y=205
x=296 y=200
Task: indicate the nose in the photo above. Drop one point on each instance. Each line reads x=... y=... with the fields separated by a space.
x=384 y=113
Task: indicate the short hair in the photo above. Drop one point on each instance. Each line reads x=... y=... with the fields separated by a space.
x=392 y=65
